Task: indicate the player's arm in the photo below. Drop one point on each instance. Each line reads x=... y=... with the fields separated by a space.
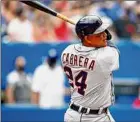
x=114 y=59
x=114 y=55
x=109 y=59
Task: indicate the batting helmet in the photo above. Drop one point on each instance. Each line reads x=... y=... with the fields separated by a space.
x=92 y=24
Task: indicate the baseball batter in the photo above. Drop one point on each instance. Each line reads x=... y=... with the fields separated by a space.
x=89 y=67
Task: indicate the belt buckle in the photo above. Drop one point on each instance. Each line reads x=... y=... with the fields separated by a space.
x=80 y=108
x=85 y=110
x=88 y=110
x=100 y=110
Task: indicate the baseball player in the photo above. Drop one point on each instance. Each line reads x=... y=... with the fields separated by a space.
x=89 y=67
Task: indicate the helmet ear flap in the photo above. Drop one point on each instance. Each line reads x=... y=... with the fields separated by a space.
x=109 y=36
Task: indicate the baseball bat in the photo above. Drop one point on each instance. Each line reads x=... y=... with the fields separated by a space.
x=44 y=8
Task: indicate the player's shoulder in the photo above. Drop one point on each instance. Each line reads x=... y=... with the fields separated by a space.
x=69 y=48
x=108 y=53
x=108 y=50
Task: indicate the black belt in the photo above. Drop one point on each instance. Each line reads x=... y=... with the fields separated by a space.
x=87 y=110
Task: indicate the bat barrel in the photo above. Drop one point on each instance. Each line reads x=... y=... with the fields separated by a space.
x=40 y=7
x=46 y=9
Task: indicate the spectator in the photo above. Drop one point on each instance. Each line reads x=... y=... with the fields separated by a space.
x=18 y=87
x=116 y=11
x=42 y=28
x=20 y=28
x=47 y=28
x=7 y=14
x=8 y=10
x=124 y=27
x=48 y=83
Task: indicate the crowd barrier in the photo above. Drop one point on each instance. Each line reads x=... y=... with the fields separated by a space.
x=121 y=113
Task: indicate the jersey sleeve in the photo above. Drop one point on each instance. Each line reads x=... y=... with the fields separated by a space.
x=11 y=78
x=109 y=59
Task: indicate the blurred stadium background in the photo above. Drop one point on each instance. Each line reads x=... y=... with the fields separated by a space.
x=28 y=32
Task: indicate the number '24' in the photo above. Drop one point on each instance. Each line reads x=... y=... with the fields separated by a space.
x=79 y=80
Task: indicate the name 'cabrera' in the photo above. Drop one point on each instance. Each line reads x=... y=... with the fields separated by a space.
x=76 y=60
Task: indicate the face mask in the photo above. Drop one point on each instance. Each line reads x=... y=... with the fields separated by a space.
x=52 y=62
x=20 y=68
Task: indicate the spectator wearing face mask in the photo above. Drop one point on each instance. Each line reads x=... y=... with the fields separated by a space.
x=48 y=83
x=18 y=83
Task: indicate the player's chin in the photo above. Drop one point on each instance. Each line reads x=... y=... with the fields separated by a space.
x=101 y=45
x=104 y=45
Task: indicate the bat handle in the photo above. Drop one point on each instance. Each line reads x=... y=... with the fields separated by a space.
x=65 y=18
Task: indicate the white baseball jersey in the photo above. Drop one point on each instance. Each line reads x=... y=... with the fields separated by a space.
x=89 y=71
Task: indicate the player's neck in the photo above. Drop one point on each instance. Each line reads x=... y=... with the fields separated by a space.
x=86 y=44
x=92 y=45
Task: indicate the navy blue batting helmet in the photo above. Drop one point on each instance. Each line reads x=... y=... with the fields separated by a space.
x=91 y=24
